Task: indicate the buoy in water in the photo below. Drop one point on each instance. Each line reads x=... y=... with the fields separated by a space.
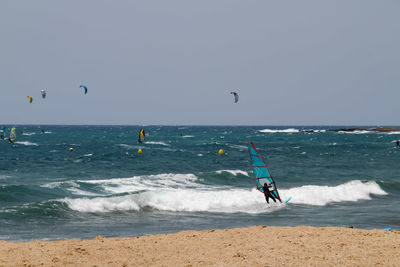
x=221 y=152
x=139 y=151
x=71 y=149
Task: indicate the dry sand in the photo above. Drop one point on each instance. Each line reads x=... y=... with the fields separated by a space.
x=252 y=246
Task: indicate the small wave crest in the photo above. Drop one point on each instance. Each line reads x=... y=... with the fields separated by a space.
x=355 y=132
x=289 y=130
x=233 y=172
x=156 y=143
x=145 y=183
x=292 y=130
x=26 y=143
x=28 y=134
x=127 y=146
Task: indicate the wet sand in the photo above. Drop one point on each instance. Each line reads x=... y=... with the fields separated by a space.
x=252 y=246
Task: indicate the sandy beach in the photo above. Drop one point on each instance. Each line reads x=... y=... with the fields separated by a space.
x=252 y=246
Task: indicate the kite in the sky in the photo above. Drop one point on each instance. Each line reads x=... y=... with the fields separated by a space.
x=236 y=96
x=84 y=88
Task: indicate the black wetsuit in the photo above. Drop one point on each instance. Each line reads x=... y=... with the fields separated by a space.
x=268 y=194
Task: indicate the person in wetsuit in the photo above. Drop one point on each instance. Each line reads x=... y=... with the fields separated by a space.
x=267 y=193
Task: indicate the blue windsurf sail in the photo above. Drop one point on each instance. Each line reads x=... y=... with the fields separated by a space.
x=261 y=173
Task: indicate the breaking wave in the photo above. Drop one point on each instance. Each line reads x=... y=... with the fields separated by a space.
x=183 y=193
x=322 y=195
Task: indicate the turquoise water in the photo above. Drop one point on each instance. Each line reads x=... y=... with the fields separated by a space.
x=104 y=187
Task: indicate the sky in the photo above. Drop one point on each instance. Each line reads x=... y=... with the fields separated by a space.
x=176 y=62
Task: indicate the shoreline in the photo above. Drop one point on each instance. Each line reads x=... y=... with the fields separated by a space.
x=251 y=246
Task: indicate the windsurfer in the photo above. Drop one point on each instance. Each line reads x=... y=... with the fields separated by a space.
x=141 y=136
x=10 y=141
x=267 y=193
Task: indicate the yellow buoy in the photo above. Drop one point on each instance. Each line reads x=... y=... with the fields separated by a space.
x=71 y=149
x=221 y=152
x=139 y=151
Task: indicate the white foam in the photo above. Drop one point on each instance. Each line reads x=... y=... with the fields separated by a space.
x=101 y=204
x=146 y=182
x=28 y=134
x=355 y=132
x=26 y=143
x=179 y=200
x=127 y=146
x=233 y=172
x=187 y=136
x=71 y=186
x=88 y=155
x=397 y=132
x=290 y=130
x=156 y=143
x=58 y=184
x=240 y=147
x=322 y=195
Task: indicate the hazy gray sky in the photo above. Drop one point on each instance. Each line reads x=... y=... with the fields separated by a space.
x=175 y=62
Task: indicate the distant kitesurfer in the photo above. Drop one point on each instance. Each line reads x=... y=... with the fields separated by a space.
x=267 y=193
x=141 y=137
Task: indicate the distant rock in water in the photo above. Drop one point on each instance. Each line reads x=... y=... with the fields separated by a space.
x=365 y=129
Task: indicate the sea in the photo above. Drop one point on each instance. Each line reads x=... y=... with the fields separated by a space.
x=102 y=186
